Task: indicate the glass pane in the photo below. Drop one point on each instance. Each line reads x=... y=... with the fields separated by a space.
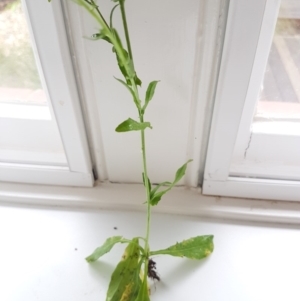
x=28 y=130
x=280 y=92
x=19 y=80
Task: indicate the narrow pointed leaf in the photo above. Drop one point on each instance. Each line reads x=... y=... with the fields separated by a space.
x=125 y=281
x=156 y=196
x=150 y=91
x=181 y=171
x=105 y=248
x=132 y=125
x=194 y=248
x=153 y=191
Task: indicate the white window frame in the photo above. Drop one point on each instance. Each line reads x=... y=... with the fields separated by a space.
x=51 y=43
x=242 y=38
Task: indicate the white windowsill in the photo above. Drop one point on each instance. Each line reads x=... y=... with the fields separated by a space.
x=129 y=197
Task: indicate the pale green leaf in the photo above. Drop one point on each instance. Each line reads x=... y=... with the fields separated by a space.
x=155 y=195
x=194 y=248
x=150 y=90
x=132 y=125
x=181 y=172
x=105 y=248
x=125 y=281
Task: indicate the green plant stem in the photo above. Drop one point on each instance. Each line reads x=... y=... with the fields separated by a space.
x=143 y=144
x=123 y=13
x=98 y=16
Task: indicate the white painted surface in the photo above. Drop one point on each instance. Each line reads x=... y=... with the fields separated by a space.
x=242 y=161
x=9 y=110
x=179 y=200
x=42 y=257
x=241 y=39
x=269 y=149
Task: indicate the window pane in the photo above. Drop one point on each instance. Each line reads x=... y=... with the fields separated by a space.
x=280 y=92
x=28 y=130
x=19 y=80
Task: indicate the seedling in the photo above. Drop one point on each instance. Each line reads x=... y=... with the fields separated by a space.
x=129 y=281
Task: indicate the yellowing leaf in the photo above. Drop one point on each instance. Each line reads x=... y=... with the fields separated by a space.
x=125 y=281
x=194 y=248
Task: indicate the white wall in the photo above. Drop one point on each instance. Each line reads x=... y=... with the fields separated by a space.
x=42 y=257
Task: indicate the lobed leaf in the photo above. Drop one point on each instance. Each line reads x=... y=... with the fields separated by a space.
x=132 y=125
x=105 y=248
x=194 y=248
x=125 y=280
x=155 y=195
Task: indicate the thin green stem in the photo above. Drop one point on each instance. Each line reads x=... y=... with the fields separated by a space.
x=123 y=13
x=147 y=249
x=91 y=7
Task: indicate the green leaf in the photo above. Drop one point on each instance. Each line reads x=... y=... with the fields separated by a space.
x=194 y=248
x=136 y=101
x=132 y=125
x=105 y=248
x=150 y=91
x=181 y=171
x=143 y=292
x=125 y=280
x=158 y=186
x=137 y=81
x=155 y=195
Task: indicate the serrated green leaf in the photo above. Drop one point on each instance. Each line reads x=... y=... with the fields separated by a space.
x=132 y=125
x=125 y=281
x=143 y=294
x=105 y=248
x=155 y=195
x=151 y=90
x=194 y=248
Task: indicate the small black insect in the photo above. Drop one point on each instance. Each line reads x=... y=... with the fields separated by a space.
x=151 y=270
x=115 y=228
